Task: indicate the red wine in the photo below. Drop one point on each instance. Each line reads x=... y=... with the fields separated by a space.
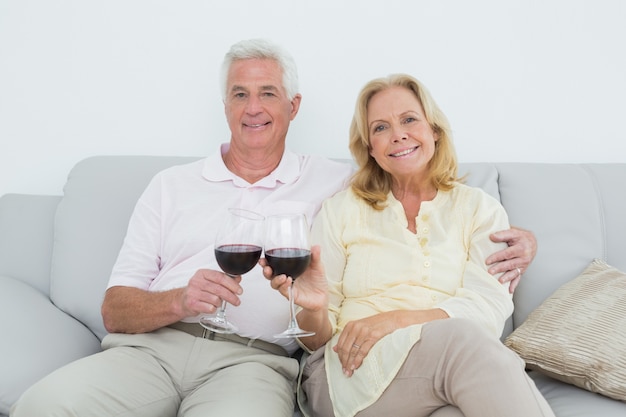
x=289 y=261
x=237 y=259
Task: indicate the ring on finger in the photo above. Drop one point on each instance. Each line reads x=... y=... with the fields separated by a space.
x=519 y=272
x=354 y=345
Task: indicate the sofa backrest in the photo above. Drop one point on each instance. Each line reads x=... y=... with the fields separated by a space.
x=92 y=217
x=90 y=225
x=26 y=230
x=577 y=214
x=575 y=211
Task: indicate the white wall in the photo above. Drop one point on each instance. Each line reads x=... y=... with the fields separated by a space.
x=520 y=80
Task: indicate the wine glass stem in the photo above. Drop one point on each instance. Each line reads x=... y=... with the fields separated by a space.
x=293 y=323
x=220 y=314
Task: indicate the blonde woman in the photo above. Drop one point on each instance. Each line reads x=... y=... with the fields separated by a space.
x=407 y=316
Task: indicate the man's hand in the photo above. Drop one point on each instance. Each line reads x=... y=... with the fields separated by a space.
x=514 y=260
x=206 y=290
x=134 y=310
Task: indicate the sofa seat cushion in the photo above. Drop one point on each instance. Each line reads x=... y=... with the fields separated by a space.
x=36 y=339
x=577 y=334
x=568 y=400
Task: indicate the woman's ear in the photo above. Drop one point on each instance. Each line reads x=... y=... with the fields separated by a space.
x=436 y=132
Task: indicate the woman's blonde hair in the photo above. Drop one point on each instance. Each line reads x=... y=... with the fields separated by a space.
x=371 y=182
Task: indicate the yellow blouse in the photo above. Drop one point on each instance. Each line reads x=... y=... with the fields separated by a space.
x=375 y=264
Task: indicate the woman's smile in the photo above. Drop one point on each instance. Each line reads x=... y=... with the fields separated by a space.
x=404 y=152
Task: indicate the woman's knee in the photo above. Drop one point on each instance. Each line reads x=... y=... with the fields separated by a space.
x=465 y=339
x=458 y=330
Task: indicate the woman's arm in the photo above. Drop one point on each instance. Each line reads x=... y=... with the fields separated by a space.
x=480 y=297
x=358 y=336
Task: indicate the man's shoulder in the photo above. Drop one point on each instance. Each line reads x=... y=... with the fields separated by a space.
x=190 y=166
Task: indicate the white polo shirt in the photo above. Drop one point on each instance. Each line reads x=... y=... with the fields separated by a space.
x=172 y=230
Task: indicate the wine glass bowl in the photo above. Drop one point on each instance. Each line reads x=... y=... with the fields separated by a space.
x=237 y=259
x=289 y=261
x=288 y=251
x=238 y=247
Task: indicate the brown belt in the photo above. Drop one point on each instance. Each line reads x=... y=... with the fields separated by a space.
x=195 y=329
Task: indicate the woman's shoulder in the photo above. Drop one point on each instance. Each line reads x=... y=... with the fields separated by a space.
x=342 y=198
x=468 y=192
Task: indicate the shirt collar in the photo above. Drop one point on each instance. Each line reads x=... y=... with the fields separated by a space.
x=287 y=171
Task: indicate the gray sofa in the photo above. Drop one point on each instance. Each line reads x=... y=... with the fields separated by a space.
x=56 y=254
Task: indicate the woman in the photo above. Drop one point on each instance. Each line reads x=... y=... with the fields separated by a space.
x=415 y=317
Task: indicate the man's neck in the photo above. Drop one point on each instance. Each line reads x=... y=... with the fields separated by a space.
x=252 y=165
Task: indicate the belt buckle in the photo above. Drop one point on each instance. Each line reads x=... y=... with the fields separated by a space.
x=207 y=334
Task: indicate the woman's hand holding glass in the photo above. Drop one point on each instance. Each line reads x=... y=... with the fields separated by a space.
x=310 y=290
x=288 y=252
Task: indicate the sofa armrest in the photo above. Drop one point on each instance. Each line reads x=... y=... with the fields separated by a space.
x=26 y=238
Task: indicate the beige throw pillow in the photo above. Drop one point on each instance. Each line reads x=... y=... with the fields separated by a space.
x=578 y=334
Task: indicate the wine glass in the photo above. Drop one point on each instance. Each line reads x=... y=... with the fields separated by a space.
x=288 y=251
x=238 y=246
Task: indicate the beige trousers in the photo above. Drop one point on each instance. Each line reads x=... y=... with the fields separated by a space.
x=166 y=373
x=456 y=369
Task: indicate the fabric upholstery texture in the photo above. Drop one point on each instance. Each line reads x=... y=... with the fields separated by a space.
x=578 y=334
x=56 y=254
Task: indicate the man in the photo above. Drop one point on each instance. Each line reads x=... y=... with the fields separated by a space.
x=157 y=361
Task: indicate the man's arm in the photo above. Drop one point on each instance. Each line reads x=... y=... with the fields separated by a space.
x=514 y=260
x=133 y=310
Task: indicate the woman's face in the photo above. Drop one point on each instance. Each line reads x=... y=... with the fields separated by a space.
x=401 y=139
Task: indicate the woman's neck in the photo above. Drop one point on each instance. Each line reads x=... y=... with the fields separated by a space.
x=411 y=197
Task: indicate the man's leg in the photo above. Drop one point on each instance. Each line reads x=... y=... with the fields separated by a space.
x=121 y=381
x=244 y=382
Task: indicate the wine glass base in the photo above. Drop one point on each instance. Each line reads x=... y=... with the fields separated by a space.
x=290 y=333
x=218 y=325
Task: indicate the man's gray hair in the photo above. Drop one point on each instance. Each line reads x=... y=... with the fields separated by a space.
x=262 y=49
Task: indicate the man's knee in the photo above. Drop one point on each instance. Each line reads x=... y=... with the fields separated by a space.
x=38 y=400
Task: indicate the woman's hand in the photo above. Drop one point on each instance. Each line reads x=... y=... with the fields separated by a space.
x=310 y=290
x=358 y=336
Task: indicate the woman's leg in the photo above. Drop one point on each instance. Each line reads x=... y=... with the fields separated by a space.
x=478 y=374
x=447 y=411
x=455 y=363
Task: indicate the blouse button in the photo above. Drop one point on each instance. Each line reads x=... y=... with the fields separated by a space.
x=426 y=264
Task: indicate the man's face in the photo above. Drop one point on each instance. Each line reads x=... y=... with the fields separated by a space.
x=257 y=108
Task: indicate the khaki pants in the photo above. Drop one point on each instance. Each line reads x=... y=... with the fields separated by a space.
x=166 y=373
x=456 y=369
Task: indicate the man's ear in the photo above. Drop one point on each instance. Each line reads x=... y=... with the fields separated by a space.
x=295 y=105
